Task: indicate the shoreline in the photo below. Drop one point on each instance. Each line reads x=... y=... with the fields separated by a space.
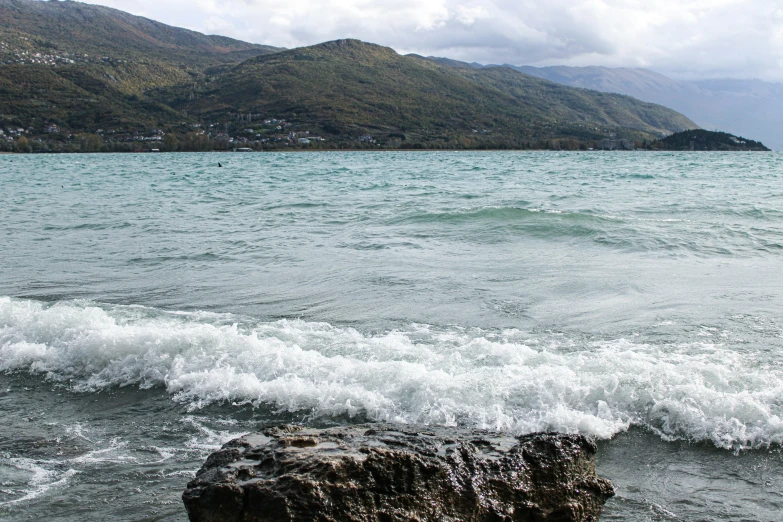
x=305 y=151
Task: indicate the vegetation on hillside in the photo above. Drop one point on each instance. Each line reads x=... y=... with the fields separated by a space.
x=91 y=33
x=346 y=89
x=700 y=139
x=81 y=77
x=68 y=68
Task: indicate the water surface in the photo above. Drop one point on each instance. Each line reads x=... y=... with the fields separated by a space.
x=155 y=306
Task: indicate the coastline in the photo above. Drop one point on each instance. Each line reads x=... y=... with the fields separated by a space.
x=310 y=151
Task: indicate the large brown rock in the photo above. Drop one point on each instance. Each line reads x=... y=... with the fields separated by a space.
x=384 y=473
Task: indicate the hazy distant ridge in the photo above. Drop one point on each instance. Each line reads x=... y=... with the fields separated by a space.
x=750 y=108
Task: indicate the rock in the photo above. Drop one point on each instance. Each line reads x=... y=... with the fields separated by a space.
x=385 y=473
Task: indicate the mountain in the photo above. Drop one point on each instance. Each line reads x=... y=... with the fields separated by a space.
x=54 y=28
x=744 y=107
x=67 y=68
x=347 y=87
x=83 y=67
x=450 y=63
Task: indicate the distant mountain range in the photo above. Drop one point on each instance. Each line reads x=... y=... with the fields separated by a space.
x=749 y=108
x=745 y=107
x=68 y=68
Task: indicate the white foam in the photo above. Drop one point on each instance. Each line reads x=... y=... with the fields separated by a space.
x=207 y=440
x=41 y=479
x=699 y=390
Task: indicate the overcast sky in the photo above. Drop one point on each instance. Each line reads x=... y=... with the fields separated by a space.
x=682 y=38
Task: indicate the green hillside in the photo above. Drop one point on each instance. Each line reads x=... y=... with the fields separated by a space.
x=84 y=67
x=73 y=73
x=347 y=88
x=74 y=98
x=700 y=139
x=54 y=28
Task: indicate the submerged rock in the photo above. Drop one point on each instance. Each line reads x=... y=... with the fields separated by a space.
x=384 y=473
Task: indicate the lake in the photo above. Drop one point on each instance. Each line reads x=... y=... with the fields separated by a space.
x=155 y=306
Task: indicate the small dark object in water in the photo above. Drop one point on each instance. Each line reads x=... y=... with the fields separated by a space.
x=220 y=164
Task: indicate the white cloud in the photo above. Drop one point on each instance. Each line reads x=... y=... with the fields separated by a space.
x=684 y=38
x=469 y=15
x=281 y=21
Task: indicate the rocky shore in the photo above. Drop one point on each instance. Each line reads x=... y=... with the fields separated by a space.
x=384 y=473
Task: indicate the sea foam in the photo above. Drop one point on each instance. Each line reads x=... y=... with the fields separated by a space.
x=500 y=380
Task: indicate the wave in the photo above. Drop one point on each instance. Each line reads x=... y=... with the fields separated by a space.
x=535 y=222
x=629 y=232
x=501 y=380
x=501 y=214
x=153 y=260
x=87 y=226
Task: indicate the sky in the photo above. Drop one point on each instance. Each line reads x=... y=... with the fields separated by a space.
x=685 y=39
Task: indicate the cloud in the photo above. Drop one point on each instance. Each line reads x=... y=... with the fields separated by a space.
x=469 y=15
x=684 y=38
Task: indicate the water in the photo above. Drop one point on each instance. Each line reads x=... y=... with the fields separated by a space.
x=152 y=307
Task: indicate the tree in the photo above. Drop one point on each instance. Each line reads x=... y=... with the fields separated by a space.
x=196 y=142
x=89 y=142
x=23 y=145
x=170 y=142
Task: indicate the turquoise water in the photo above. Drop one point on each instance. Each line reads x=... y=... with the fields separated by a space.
x=154 y=306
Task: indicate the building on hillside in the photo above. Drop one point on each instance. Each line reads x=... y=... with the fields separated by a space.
x=615 y=144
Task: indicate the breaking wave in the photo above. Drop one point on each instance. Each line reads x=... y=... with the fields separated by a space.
x=503 y=380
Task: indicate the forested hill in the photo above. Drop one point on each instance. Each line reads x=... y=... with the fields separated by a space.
x=125 y=82
x=53 y=28
x=79 y=68
x=349 y=87
x=699 y=139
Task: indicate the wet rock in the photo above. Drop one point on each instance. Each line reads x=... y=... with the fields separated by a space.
x=384 y=473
